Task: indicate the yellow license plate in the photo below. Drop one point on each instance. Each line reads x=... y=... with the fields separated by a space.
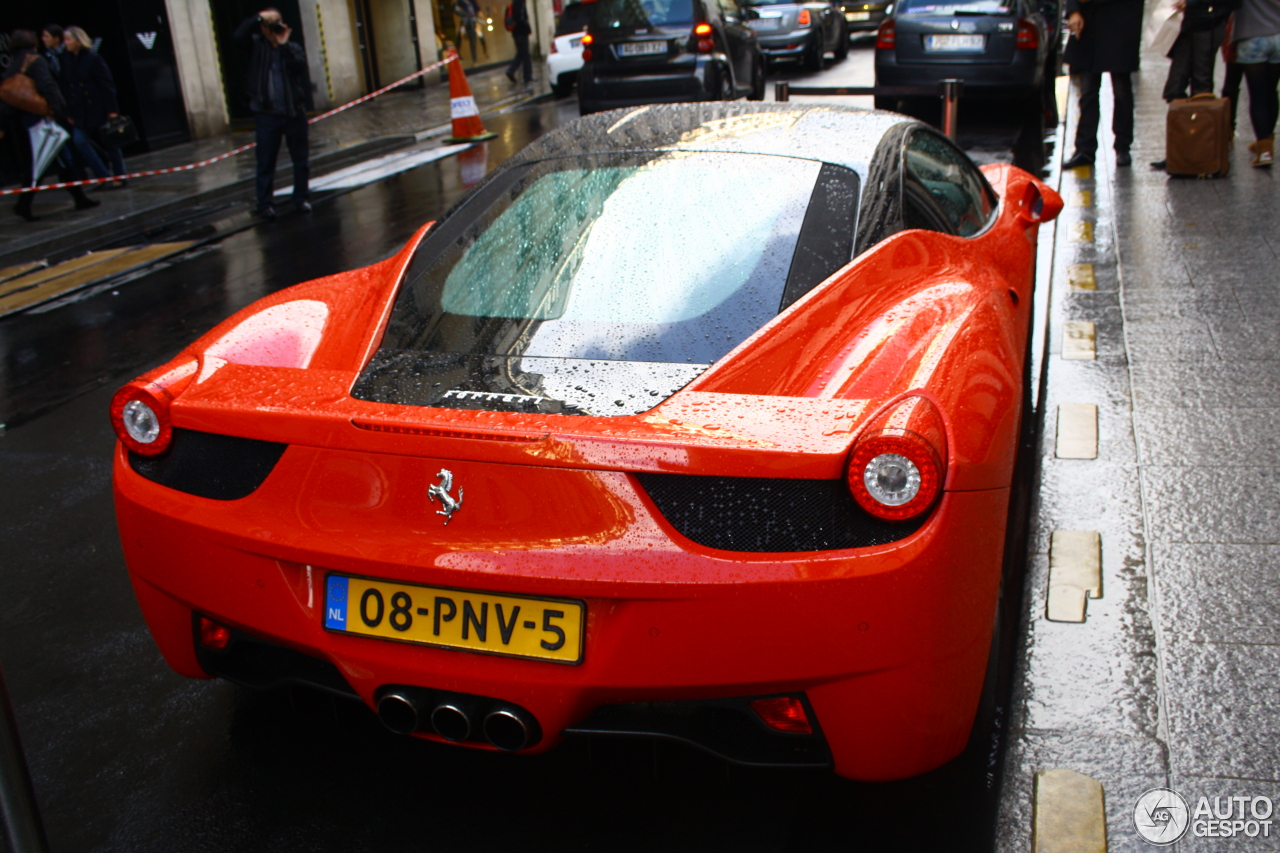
x=519 y=626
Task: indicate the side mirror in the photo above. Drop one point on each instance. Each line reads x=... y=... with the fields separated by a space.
x=1039 y=202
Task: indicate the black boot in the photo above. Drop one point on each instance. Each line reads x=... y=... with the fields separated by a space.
x=83 y=202
x=23 y=207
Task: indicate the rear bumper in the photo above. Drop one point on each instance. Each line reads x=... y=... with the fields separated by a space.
x=871 y=23
x=791 y=45
x=1019 y=77
x=888 y=644
x=564 y=64
x=599 y=91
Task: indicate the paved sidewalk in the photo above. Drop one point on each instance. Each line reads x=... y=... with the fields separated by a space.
x=395 y=114
x=1171 y=679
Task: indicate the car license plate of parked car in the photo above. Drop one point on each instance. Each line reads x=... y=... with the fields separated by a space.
x=642 y=48
x=953 y=43
x=575 y=43
x=766 y=22
x=544 y=628
x=857 y=16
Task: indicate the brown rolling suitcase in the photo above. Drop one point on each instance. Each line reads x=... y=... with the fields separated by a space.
x=1197 y=138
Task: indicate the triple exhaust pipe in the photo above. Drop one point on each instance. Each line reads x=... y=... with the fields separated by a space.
x=458 y=717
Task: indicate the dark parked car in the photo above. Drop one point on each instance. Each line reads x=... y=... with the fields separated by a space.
x=664 y=51
x=865 y=16
x=800 y=31
x=999 y=48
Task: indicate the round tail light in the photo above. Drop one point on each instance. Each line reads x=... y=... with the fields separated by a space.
x=140 y=410
x=141 y=419
x=895 y=474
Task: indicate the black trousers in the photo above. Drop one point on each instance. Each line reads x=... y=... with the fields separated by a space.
x=268 y=131
x=1121 y=122
x=69 y=169
x=1193 y=57
x=523 y=58
x=1264 y=105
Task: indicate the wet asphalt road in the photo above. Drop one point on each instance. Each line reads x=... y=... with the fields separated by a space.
x=126 y=755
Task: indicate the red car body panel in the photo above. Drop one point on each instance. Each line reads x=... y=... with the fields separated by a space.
x=889 y=643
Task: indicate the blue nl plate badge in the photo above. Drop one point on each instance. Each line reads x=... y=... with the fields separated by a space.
x=335 y=603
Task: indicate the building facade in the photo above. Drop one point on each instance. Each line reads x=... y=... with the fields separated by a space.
x=181 y=75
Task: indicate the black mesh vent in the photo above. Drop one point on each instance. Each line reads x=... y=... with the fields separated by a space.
x=761 y=514
x=221 y=467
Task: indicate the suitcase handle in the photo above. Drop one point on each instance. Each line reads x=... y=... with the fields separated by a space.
x=1202 y=96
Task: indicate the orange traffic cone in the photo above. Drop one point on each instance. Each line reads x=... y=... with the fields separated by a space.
x=467 y=126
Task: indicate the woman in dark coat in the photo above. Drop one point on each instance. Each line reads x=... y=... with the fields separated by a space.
x=1105 y=37
x=22 y=47
x=90 y=90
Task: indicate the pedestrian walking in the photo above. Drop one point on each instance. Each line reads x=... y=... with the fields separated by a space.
x=90 y=91
x=279 y=94
x=468 y=12
x=1105 y=38
x=1204 y=26
x=51 y=38
x=17 y=123
x=518 y=23
x=1257 y=42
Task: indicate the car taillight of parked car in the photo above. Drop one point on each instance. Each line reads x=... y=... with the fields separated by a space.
x=805 y=19
x=140 y=410
x=885 y=37
x=1028 y=35
x=703 y=34
x=898 y=466
x=586 y=47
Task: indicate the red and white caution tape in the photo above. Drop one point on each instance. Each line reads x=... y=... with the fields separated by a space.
x=189 y=166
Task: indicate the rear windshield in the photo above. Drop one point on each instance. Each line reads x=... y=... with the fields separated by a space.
x=973 y=7
x=657 y=258
x=573 y=19
x=639 y=14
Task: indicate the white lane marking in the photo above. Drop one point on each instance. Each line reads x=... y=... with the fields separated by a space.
x=378 y=168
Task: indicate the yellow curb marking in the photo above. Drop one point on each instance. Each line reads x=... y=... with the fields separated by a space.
x=1084 y=198
x=1083 y=173
x=1077 y=431
x=1080 y=277
x=1075 y=573
x=1079 y=341
x=1068 y=813
x=1082 y=232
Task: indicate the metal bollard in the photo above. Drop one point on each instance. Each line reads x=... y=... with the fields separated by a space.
x=17 y=797
x=782 y=91
x=950 y=91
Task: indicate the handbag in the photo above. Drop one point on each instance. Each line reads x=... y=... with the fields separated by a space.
x=19 y=92
x=118 y=132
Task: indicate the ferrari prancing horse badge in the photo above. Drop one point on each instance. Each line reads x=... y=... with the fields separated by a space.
x=441 y=491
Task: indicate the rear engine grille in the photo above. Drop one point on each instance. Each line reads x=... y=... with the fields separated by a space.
x=760 y=514
x=208 y=465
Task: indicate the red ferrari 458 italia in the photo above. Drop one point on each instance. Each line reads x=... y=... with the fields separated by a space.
x=691 y=421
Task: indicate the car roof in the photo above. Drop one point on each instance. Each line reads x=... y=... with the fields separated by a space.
x=844 y=136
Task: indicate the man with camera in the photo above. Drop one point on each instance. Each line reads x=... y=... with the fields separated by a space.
x=279 y=94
